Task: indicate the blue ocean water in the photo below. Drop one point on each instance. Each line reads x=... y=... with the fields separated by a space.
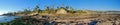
x=7 y=18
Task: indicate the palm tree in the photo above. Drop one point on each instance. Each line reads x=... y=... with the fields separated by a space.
x=26 y=11
x=36 y=9
x=46 y=10
x=52 y=10
x=71 y=10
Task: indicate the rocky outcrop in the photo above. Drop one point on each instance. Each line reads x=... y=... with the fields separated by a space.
x=61 y=11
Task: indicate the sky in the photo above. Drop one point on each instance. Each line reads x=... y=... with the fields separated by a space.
x=18 y=5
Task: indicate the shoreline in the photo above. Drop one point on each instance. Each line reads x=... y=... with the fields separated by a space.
x=66 y=18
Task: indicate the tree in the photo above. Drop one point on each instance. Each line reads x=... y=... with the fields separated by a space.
x=67 y=7
x=71 y=10
x=47 y=8
x=57 y=8
x=36 y=9
x=52 y=10
x=26 y=11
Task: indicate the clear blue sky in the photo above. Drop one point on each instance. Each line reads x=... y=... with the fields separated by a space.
x=16 y=5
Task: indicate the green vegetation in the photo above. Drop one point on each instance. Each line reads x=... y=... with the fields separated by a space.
x=50 y=10
x=37 y=10
x=26 y=21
